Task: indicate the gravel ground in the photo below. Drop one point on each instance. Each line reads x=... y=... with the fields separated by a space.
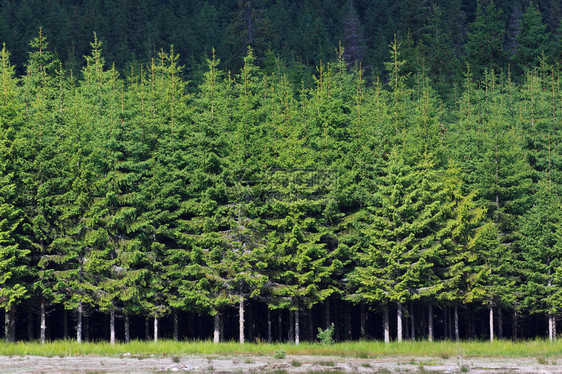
x=291 y=364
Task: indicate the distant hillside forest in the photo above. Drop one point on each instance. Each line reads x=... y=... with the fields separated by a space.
x=439 y=36
x=283 y=189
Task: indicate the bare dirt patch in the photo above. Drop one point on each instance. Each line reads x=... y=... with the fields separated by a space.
x=291 y=364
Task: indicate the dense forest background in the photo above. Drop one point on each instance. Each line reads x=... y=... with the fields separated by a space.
x=329 y=162
x=441 y=36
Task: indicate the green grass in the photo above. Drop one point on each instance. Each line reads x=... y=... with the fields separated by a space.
x=362 y=349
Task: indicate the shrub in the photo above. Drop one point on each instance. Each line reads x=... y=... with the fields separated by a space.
x=326 y=336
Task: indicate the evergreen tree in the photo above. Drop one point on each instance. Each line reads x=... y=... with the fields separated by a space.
x=14 y=265
x=539 y=243
x=532 y=38
x=484 y=48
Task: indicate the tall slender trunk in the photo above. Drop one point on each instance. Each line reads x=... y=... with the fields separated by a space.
x=250 y=322
x=412 y=322
x=86 y=328
x=279 y=325
x=399 y=313
x=347 y=321
x=176 y=326
x=514 y=326
x=241 y=320
x=127 y=329
x=291 y=331
x=297 y=328
x=363 y=322
x=310 y=326
x=386 y=323
x=8 y=325
x=430 y=322
x=155 y=329
x=147 y=328
x=112 y=326
x=269 y=336
x=221 y=328
x=216 y=329
x=456 y=318
x=29 y=323
x=446 y=322
x=551 y=327
x=327 y=312
x=491 y=323
x=65 y=324
x=79 y=324
x=500 y=323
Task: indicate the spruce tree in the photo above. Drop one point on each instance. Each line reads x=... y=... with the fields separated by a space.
x=14 y=252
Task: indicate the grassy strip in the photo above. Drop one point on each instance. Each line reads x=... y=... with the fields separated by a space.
x=362 y=349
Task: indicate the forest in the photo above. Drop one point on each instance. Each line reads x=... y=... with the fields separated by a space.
x=162 y=195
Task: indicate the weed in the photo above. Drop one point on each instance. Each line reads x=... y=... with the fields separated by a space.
x=445 y=355
x=280 y=354
x=464 y=369
x=326 y=363
x=296 y=363
x=542 y=361
x=326 y=336
x=366 y=365
x=248 y=361
x=176 y=359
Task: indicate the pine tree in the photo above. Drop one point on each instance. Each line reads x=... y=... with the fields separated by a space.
x=539 y=243
x=484 y=48
x=533 y=38
x=14 y=265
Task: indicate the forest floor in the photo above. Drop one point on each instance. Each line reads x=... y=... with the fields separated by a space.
x=127 y=363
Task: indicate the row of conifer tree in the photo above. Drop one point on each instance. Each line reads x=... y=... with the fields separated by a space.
x=134 y=195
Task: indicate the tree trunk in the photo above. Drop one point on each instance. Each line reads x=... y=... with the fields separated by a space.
x=87 y=328
x=446 y=322
x=363 y=322
x=347 y=321
x=491 y=323
x=241 y=320
x=471 y=325
x=514 y=326
x=176 y=326
x=456 y=318
x=250 y=322
x=399 y=313
x=65 y=324
x=327 y=313
x=386 y=324
x=310 y=325
x=291 y=332
x=430 y=322
x=216 y=329
x=112 y=326
x=79 y=325
x=221 y=326
x=127 y=329
x=8 y=317
x=551 y=327
x=147 y=328
x=155 y=329
x=297 y=328
x=500 y=323
x=279 y=325
x=412 y=323
x=29 y=323
x=269 y=336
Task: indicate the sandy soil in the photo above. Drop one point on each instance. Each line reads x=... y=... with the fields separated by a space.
x=291 y=364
